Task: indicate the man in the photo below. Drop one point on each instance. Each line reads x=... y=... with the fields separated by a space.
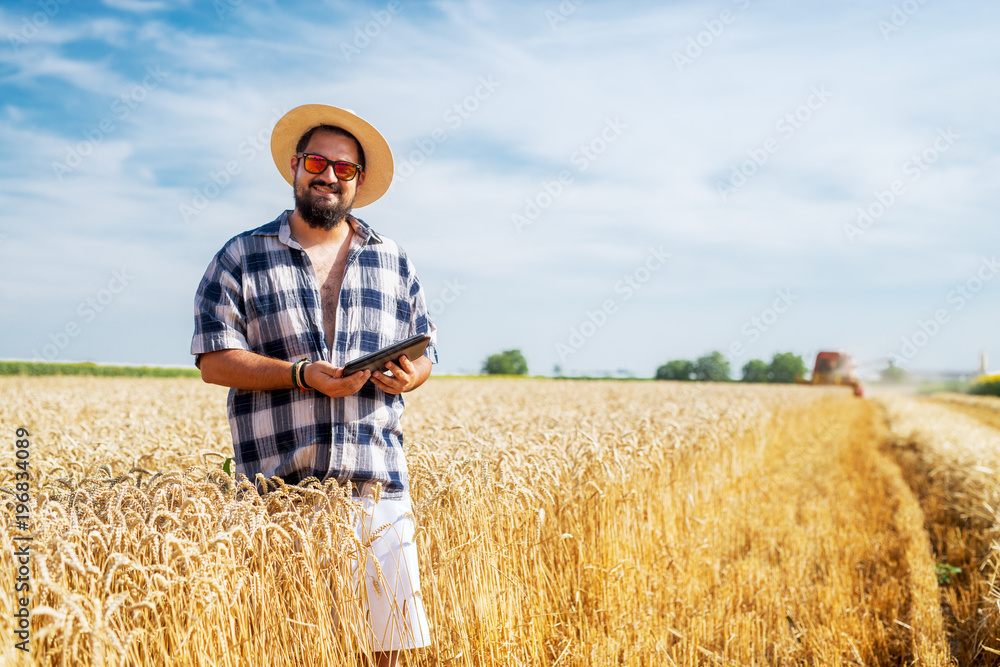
x=280 y=311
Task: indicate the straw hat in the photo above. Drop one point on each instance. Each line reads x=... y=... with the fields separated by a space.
x=378 y=157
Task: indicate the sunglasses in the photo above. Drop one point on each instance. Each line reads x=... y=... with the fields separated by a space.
x=317 y=164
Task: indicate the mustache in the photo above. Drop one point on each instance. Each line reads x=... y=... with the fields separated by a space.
x=332 y=185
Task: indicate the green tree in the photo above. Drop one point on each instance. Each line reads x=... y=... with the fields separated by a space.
x=893 y=373
x=756 y=370
x=712 y=368
x=785 y=367
x=678 y=369
x=508 y=362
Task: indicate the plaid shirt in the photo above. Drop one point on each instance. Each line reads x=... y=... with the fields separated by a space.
x=260 y=294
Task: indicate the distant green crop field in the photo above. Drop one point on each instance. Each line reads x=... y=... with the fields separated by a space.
x=90 y=368
x=986 y=386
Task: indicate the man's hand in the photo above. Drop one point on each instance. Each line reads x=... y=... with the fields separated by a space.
x=243 y=369
x=406 y=376
x=326 y=378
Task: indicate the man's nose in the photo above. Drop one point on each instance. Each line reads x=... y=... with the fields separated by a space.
x=329 y=175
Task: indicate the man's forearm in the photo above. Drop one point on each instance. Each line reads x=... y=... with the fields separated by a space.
x=243 y=369
x=423 y=368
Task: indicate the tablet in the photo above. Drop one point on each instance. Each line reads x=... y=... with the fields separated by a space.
x=412 y=347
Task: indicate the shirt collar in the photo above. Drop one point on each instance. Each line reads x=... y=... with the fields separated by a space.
x=281 y=227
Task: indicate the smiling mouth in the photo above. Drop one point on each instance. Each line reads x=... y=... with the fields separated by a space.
x=326 y=189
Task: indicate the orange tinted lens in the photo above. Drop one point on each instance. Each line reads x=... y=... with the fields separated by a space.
x=344 y=170
x=314 y=164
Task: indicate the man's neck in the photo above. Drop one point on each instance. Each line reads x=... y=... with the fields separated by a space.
x=310 y=236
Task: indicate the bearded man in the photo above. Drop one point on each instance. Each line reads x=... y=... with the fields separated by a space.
x=279 y=312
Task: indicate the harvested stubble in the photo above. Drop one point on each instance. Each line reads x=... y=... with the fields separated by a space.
x=561 y=523
x=951 y=456
x=985 y=409
x=991 y=403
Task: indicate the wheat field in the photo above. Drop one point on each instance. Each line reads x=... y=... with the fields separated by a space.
x=949 y=449
x=559 y=523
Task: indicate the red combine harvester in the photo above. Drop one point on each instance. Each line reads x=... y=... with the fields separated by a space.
x=836 y=368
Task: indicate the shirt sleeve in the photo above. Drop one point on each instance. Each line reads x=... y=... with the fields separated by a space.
x=219 y=306
x=420 y=322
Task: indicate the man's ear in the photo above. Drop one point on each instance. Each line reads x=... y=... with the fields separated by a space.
x=361 y=179
x=294 y=162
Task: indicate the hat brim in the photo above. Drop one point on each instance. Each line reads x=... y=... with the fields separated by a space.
x=378 y=157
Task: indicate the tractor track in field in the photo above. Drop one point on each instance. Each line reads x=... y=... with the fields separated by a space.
x=947 y=448
x=980 y=410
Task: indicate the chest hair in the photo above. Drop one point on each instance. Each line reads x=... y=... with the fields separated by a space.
x=329 y=267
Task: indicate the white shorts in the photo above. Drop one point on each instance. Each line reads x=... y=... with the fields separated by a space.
x=392 y=599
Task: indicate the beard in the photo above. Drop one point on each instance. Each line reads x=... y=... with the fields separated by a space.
x=318 y=212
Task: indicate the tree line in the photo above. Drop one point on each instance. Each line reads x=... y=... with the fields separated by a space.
x=784 y=367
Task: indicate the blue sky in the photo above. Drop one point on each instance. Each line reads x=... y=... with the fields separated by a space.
x=603 y=185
